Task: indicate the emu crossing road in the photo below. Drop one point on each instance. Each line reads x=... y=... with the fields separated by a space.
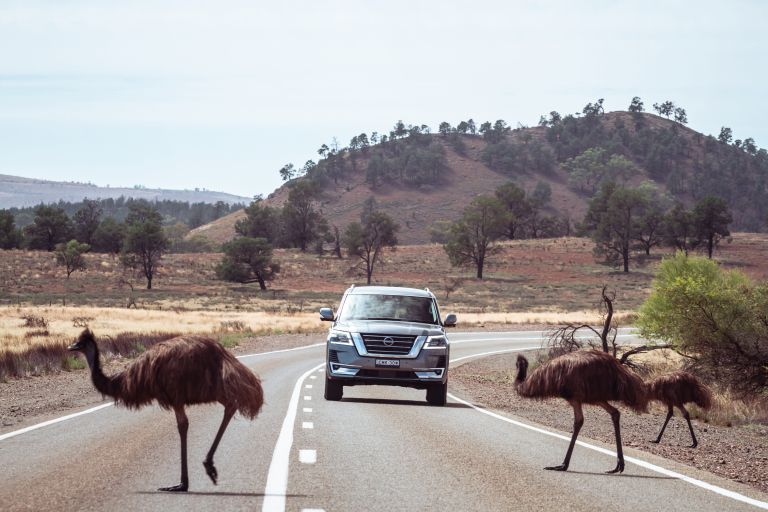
x=380 y=448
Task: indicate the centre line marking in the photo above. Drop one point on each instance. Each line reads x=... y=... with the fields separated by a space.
x=277 y=478
x=307 y=424
x=307 y=456
x=307 y=409
x=307 y=398
x=308 y=386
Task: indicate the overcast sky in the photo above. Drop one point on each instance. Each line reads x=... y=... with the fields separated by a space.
x=220 y=94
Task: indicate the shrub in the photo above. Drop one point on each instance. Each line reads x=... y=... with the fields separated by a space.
x=717 y=318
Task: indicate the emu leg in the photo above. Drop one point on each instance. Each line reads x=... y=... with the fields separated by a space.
x=669 y=415
x=578 y=421
x=690 y=427
x=210 y=469
x=615 y=417
x=183 y=423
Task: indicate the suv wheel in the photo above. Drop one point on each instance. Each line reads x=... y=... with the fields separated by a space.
x=333 y=390
x=437 y=393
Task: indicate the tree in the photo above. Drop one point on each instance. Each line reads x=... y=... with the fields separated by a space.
x=260 y=221
x=145 y=242
x=678 y=229
x=109 y=236
x=680 y=115
x=636 y=106
x=711 y=218
x=86 y=221
x=472 y=237
x=70 y=256
x=445 y=128
x=715 y=318
x=369 y=237
x=462 y=127
x=299 y=217
x=246 y=258
x=287 y=172
x=649 y=230
x=726 y=135
x=10 y=236
x=50 y=226
x=666 y=109
x=595 y=166
x=541 y=195
x=518 y=208
x=612 y=220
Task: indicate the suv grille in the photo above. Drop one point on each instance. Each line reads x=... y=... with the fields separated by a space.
x=388 y=345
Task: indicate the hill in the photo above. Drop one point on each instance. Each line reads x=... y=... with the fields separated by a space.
x=420 y=178
x=20 y=192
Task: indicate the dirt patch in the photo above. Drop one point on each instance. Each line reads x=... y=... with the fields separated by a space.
x=738 y=453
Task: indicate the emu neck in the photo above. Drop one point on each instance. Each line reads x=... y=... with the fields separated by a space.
x=100 y=381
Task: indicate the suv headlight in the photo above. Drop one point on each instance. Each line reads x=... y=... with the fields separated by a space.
x=339 y=337
x=436 y=342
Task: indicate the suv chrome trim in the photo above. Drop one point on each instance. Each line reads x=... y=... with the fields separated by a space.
x=357 y=339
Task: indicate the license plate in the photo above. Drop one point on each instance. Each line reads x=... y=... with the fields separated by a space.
x=388 y=363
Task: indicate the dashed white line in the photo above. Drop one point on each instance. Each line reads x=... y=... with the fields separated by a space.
x=308 y=386
x=307 y=424
x=307 y=398
x=307 y=456
x=313 y=510
x=277 y=478
x=307 y=409
x=313 y=376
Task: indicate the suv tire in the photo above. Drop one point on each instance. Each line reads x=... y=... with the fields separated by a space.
x=437 y=393
x=333 y=390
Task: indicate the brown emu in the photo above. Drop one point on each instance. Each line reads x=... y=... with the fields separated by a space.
x=675 y=390
x=178 y=372
x=584 y=377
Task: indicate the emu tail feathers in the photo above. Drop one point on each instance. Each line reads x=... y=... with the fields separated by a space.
x=242 y=388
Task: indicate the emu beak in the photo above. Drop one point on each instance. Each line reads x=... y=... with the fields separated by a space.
x=72 y=347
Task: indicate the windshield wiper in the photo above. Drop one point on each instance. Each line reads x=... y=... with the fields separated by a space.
x=385 y=318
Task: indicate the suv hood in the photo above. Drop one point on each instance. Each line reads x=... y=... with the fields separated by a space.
x=389 y=327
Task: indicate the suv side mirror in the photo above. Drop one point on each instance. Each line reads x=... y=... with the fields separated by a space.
x=450 y=320
x=326 y=314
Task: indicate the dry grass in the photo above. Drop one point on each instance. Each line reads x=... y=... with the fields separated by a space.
x=539 y=318
x=728 y=408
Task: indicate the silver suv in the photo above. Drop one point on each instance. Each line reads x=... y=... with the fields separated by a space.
x=388 y=336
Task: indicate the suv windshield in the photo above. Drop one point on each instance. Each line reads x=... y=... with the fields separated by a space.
x=390 y=307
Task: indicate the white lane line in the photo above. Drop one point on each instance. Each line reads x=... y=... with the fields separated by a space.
x=307 y=456
x=15 y=433
x=308 y=386
x=481 y=354
x=307 y=398
x=313 y=376
x=277 y=478
x=643 y=464
x=307 y=424
x=313 y=510
x=53 y=421
x=307 y=409
x=536 y=338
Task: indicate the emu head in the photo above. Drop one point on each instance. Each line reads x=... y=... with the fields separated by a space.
x=85 y=340
x=522 y=368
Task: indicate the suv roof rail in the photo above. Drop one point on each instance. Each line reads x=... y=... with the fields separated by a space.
x=427 y=290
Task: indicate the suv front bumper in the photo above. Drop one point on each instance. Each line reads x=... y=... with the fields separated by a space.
x=421 y=367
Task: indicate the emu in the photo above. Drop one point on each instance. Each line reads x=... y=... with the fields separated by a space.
x=675 y=390
x=178 y=372
x=584 y=377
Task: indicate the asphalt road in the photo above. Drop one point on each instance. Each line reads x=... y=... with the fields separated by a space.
x=381 y=448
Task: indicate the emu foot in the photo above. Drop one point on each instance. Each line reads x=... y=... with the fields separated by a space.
x=656 y=441
x=175 y=488
x=210 y=469
x=561 y=467
x=618 y=469
x=694 y=445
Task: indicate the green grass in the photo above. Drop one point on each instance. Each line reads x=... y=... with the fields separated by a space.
x=70 y=363
x=231 y=340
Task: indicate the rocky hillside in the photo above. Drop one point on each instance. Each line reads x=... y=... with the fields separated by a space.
x=19 y=192
x=451 y=168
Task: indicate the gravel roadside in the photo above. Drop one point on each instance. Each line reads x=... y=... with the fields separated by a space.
x=738 y=453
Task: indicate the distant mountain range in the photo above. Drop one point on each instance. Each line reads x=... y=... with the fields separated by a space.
x=19 y=192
